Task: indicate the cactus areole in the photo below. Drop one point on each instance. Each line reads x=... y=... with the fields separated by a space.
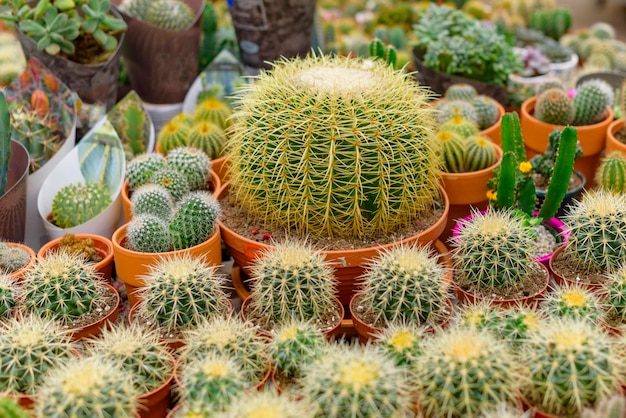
x=335 y=147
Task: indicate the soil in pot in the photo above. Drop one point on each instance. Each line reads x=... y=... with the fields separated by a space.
x=621 y=135
x=567 y=268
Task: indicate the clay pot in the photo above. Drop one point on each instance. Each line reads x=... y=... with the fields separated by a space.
x=157 y=402
x=13 y=201
x=612 y=143
x=563 y=280
x=19 y=274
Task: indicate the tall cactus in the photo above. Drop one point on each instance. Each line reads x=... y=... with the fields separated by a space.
x=5 y=142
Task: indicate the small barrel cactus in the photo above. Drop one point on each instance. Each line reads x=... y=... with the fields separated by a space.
x=480 y=153
x=29 y=349
x=556 y=383
x=487 y=111
x=8 y=294
x=173 y=180
x=62 y=286
x=12 y=258
x=152 y=199
x=463 y=371
x=291 y=280
x=194 y=219
x=555 y=107
x=249 y=404
x=135 y=8
x=611 y=174
x=615 y=295
x=405 y=284
x=180 y=291
x=172 y=135
x=461 y=91
x=140 y=169
x=77 y=203
x=136 y=351
x=602 y=30
x=461 y=126
x=295 y=345
x=87 y=387
x=592 y=99
x=193 y=163
x=148 y=234
x=208 y=137
x=401 y=342
x=356 y=381
x=573 y=301
x=598 y=231
x=450 y=108
x=170 y=14
x=213 y=110
x=184 y=118
x=453 y=149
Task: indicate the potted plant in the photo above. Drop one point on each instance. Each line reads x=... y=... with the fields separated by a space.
x=247 y=405
x=81 y=40
x=611 y=172
x=573 y=301
x=402 y=343
x=16 y=259
x=614 y=298
x=9 y=293
x=616 y=135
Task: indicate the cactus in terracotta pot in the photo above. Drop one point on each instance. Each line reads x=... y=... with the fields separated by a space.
x=193 y=163
x=194 y=219
x=149 y=234
x=573 y=301
x=152 y=199
x=401 y=342
x=615 y=295
x=591 y=101
x=12 y=258
x=208 y=137
x=555 y=107
x=611 y=174
x=295 y=345
x=140 y=169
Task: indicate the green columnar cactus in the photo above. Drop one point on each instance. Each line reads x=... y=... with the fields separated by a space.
x=140 y=169
x=598 y=231
x=387 y=53
x=62 y=286
x=173 y=180
x=544 y=163
x=573 y=302
x=230 y=337
x=152 y=199
x=611 y=174
x=461 y=91
x=87 y=387
x=449 y=108
x=554 y=106
x=356 y=381
x=170 y=14
x=8 y=294
x=295 y=345
x=148 y=234
x=494 y=249
x=193 y=163
x=461 y=126
x=5 y=142
x=137 y=352
x=401 y=343
x=77 y=203
x=487 y=111
x=591 y=101
x=480 y=153
x=453 y=149
x=208 y=137
x=172 y=135
x=10 y=409
x=463 y=371
x=213 y=110
x=273 y=405
x=29 y=349
x=556 y=383
x=12 y=258
x=364 y=171
x=291 y=280
x=405 y=284
x=553 y=23
x=182 y=290
x=194 y=219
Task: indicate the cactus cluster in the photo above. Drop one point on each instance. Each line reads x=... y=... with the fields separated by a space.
x=466 y=154
x=611 y=173
x=141 y=168
x=77 y=203
x=182 y=290
x=173 y=180
x=573 y=301
x=193 y=163
x=553 y=23
x=401 y=343
x=291 y=280
x=512 y=324
x=12 y=258
x=152 y=199
x=462 y=100
x=271 y=403
x=295 y=345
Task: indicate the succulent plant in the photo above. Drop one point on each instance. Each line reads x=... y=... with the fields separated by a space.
x=597 y=225
x=172 y=135
x=592 y=99
x=30 y=348
x=480 y=153
x=213 y=110
x=9 y=293
x=137 y=352
x=460 y=91
x=271 y=403
x=464 y=371
x=5 y=142
x=193 y=163
x=184 y=118
x=148 y=233
x=170 y=14
x=62 y=286
x=611 y=174
x=182 y=290
x=173 y=180
x=208 y=137
x=356 y=381
x=487 y=111
x=453 y=149
x=401 y=342
x=553 y=23
x=77 y=203
x=194 y=219
x=12 y=258
x=554 y=106
x=152 y=199
x=387 y=110
x=556 y=383
x=294 y=346
x=573 y=301
x=11 y=409
x=450 y=108
x=405 y=284
x=140 y=169
x=544 y=164
x=602 y=30
x=378 y=50
x=87 y=387
x=461 y=126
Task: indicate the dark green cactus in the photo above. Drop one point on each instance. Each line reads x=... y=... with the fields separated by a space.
x=5 y=142
x=611 y=174
x=295 y=346
x=193 y=163
x=140 y=169
x=555 y=107
x=194 y=219
x=592 y=99
x=173 y=180
x=75 y=204
x=480 y=153
x=553 y=23
x=377 y=49
x=148 y=234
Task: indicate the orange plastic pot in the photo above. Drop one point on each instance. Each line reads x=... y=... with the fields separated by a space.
x=612 y=143
x=494 y=131
x=592 y=138
x=94 y=329
x=156 y=403
x=103 y=246
x=19 y=274
x=348 y=264
x=131 y=265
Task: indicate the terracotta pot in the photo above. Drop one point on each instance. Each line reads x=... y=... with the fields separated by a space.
x=175 y=411
x=494 y=131
x=562 y=280
x=103 y=246
x=612 y=143
x=94 y=329
x=19 y=274
x=591 y=138
x=467 y=297
x=220 y=167
x=329 y=333
x=611 y=329
x=13 y=201
x=537 y=413
x=348 y=264
x=156 y=403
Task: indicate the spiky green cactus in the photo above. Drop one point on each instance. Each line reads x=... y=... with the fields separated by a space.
x=62 y=286
x=208 y=137
x=152 y=199
x=405 y=284
x=356 y=381
x=401 y=343
x=170 y=14
x=611 y=174
x=461 y=91
x=463 y=371
x=551 y=83
x=615 y=294
x=10 y=409
x=573 y=301
x=461 y=126
x=453 y=149
x=193 y=163
x=8 y=294
x=87 y=387
x=213 y=110
x=148 y=233
x=173 y=180
x=194 y=219
x=136 y=351
x=128 y=117
x=77 y=203
x=29 y=349
x=271 y=403
x=184 y=118
x=291 y=280
x=556 y=382
x=597 y=225
x=172 y=135
x=592 y=99
x=135 y=8
x=308 y=161
x=295 y=345
x=230 y=337
x=140 y=169
x=182 y=290
x=602 y=30
x=450 y=108
x=480 y=153
x=613 y=407
x=494 y=249
x=12 y=258
x=554 y=106
x=487 y=111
